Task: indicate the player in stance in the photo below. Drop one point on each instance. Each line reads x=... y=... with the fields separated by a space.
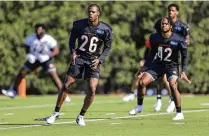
x=167 y=46
x=91 y=34
x=179 y=28
x=40 y=48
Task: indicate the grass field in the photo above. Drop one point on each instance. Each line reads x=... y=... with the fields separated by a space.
x=108 y=116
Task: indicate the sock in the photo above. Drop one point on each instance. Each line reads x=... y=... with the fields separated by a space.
x=82 y=113
x=139 y=101
x=178 y=109
x=57 y=109
x=158 y=97
x=171 y=98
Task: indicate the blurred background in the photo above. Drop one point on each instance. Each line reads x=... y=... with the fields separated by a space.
x=132 y=23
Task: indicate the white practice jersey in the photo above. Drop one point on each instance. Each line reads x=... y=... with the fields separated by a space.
x=40 y=46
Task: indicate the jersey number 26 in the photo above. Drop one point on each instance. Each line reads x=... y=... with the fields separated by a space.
x=92 y=43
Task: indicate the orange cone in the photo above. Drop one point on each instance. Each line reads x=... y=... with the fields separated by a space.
x=22 y=88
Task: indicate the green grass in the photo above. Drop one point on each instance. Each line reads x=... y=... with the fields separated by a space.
x=108 y=116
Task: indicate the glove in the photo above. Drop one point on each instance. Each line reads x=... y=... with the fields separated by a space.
x=43 y=58
x=31 y=58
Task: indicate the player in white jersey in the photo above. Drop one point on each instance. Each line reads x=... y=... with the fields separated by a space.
x=40 y=48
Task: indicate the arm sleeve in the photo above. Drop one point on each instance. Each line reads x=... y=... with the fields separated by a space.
x=149 y=59
x=183 y=51
x=73 y=37
x=107 y=45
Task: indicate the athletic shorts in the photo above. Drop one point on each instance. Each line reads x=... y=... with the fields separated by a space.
x=83 y=67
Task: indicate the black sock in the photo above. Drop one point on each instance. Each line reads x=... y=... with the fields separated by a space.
x=57 y=109
x=178 y=109
x=171 y=98
x=140 y=101
x=82 y=113
x=158 y=96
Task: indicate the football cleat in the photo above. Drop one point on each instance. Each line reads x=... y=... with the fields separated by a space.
x=10 y=93
x=158 y=105
x=80 y=120
x=179 y=116
x=171 y=107
x=67 y=99
x=129 y=97
x=51 y=119
x=136 y=110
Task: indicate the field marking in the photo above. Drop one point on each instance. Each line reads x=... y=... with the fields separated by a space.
x=115 y=123
x=204 y=104
x=110 y=113
x=179 y=123
x=52 y=105
x=95 y=120
x=8 y=114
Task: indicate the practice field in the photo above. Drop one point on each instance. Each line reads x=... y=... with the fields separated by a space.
x=108 y=116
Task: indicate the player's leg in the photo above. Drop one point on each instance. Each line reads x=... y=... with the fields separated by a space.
x=60 y=99
x=51 y=69
x=134 y=88
x=27 y=68
x=158 y=104
x=92 y=77
x=88 y=100
x=75 y=71
x=171 y=105
x=146 y=79
x=173 y=82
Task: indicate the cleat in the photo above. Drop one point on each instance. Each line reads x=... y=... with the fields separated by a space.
x=158 y=105
x=10 y=93
x=67 y=99
x=51 y=119
x=136 y=110
x=171 y=107
x=128 y=97
x=80 y=120
x=179 y=116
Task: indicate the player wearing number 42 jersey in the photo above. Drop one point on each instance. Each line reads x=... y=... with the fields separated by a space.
x=165 y=47
x=91 y=35
x=40 y=48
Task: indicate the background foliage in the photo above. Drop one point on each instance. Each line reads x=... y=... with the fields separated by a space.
x=132 y=23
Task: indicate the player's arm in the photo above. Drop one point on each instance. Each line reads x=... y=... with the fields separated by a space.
x=72 y=40
x=186 y=33
x=107 y=46
x=184 y=61
x=54 y=51
x=183 y=56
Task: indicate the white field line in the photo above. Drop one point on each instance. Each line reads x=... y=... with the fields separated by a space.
x=52 y=105
x=8 y=114
x=95 y=120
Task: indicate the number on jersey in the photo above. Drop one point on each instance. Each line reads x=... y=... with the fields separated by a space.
x=92 y=44
x=160 y=54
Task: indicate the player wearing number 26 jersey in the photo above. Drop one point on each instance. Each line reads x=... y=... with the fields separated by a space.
x=91 y=39
x=94 y=43
x=90 y=46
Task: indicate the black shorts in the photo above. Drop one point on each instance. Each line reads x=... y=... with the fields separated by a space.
x=157 y=73
x=83 y=66
x=47 y=66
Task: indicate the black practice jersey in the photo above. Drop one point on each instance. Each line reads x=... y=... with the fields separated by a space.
x=91 y=39
x=166 y=51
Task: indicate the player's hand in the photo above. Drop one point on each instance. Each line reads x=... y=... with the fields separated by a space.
x=141 y=63
x=184 y=77
x=95 y=64
x=73 y=57
x=140 y=71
